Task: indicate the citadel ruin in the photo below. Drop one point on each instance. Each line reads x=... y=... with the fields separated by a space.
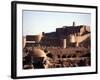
x=68 y=46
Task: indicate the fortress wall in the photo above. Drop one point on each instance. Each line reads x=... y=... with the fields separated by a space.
x=51 y=42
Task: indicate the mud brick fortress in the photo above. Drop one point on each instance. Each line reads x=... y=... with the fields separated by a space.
x=66 y=36
x=68 y=46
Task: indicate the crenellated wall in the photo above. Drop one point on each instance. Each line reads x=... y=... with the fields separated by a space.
x=64 y=37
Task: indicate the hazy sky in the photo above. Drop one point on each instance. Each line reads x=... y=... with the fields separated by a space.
x=35 y=22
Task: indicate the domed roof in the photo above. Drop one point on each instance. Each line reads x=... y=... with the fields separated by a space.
x=38 y=53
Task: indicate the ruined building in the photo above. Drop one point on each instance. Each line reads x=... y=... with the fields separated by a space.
x=63 y=37
x=68 y=46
